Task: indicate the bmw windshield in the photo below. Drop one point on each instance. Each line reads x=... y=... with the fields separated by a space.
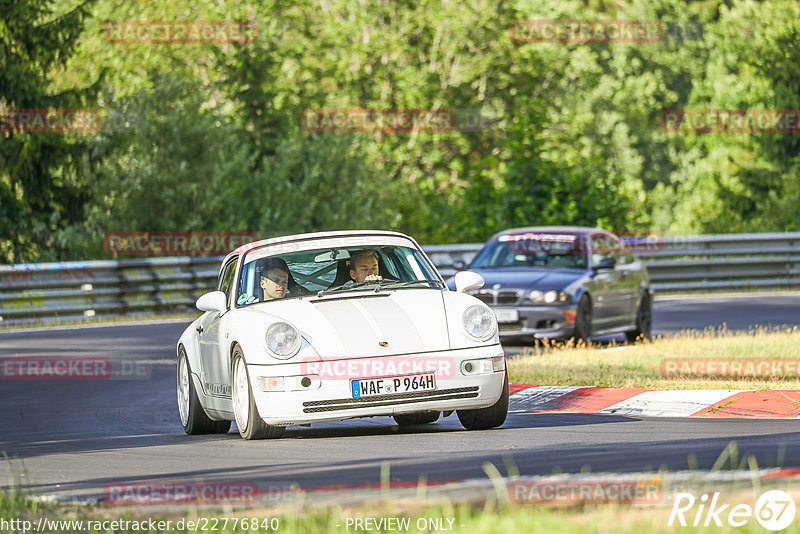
x=548 y=250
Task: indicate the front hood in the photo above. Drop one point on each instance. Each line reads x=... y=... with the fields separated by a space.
x=527 y=278
x=356 y=325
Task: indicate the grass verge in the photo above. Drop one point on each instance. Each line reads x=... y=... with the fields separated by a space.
x=489 y=518
x=640 y=365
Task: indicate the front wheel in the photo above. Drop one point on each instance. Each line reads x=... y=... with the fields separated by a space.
x=644 y=321
x=486 y=418
x=193 y=417
x=249 y=422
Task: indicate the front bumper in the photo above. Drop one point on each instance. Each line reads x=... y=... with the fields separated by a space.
x=329 y=398
x=553 y=322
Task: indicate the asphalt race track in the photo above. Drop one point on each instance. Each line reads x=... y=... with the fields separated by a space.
x=73 y=438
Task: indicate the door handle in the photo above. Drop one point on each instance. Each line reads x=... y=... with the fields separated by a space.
x=199 y=329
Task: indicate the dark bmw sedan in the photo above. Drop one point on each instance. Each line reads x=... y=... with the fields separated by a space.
x=563 y=282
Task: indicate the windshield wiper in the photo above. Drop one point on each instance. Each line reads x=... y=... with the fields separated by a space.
x=397 y=283
x=352 y=286
x=379 y=284
x=322 y=292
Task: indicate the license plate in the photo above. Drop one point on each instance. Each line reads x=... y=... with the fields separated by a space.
x=506 y=316
x=371 y=387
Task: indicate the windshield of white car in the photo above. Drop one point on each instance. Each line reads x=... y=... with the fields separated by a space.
x=533 y=250
x=321 y=271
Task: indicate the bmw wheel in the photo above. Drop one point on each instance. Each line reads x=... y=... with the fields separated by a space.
x=644 y=321
x=583 y=321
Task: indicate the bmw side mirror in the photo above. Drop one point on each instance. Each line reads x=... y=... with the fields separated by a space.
x=460 y=265
x=213 y=301
x=467 y=281
x=606 y=264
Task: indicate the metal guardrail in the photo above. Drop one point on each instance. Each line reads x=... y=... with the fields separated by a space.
x=46 y=292
x=725 y=261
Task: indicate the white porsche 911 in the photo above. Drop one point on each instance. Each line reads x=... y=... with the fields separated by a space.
x=336 y=325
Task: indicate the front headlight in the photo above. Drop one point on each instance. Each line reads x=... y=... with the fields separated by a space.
x=479 y=322
x=552 y=296
x=283 y=340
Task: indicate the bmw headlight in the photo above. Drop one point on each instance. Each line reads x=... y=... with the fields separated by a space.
x=479 y=322
x=551 y=296
x=283 y=340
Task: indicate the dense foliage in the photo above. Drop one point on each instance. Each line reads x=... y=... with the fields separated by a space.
x=209 y=136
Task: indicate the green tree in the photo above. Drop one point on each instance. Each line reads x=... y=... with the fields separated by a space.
x=539 y=190
x=742 y=182
x=164 y=161
x=588 y=150
x=167 y=161
x=41 y=187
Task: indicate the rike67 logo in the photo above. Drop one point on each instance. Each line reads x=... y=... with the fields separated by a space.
x=774 y=510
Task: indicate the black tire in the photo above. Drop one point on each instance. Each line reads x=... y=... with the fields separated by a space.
x=250 y=426
x=583 y=321
x=486 y=418
x=644 y=321
x=197 y=421
x=419 y=418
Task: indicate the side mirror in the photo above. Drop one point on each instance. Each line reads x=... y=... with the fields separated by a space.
x=606 y=264
x=460 y=265
x=467 y=281
x=213 y=301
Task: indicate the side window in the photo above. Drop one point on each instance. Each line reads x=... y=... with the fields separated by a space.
x=605 y=246
x=625 y=256
x=226 y=279
x=394 y=268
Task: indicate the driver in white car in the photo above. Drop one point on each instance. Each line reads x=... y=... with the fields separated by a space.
x=364 y=266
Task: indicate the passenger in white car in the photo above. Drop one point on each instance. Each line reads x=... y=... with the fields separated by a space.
x=274 y=278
